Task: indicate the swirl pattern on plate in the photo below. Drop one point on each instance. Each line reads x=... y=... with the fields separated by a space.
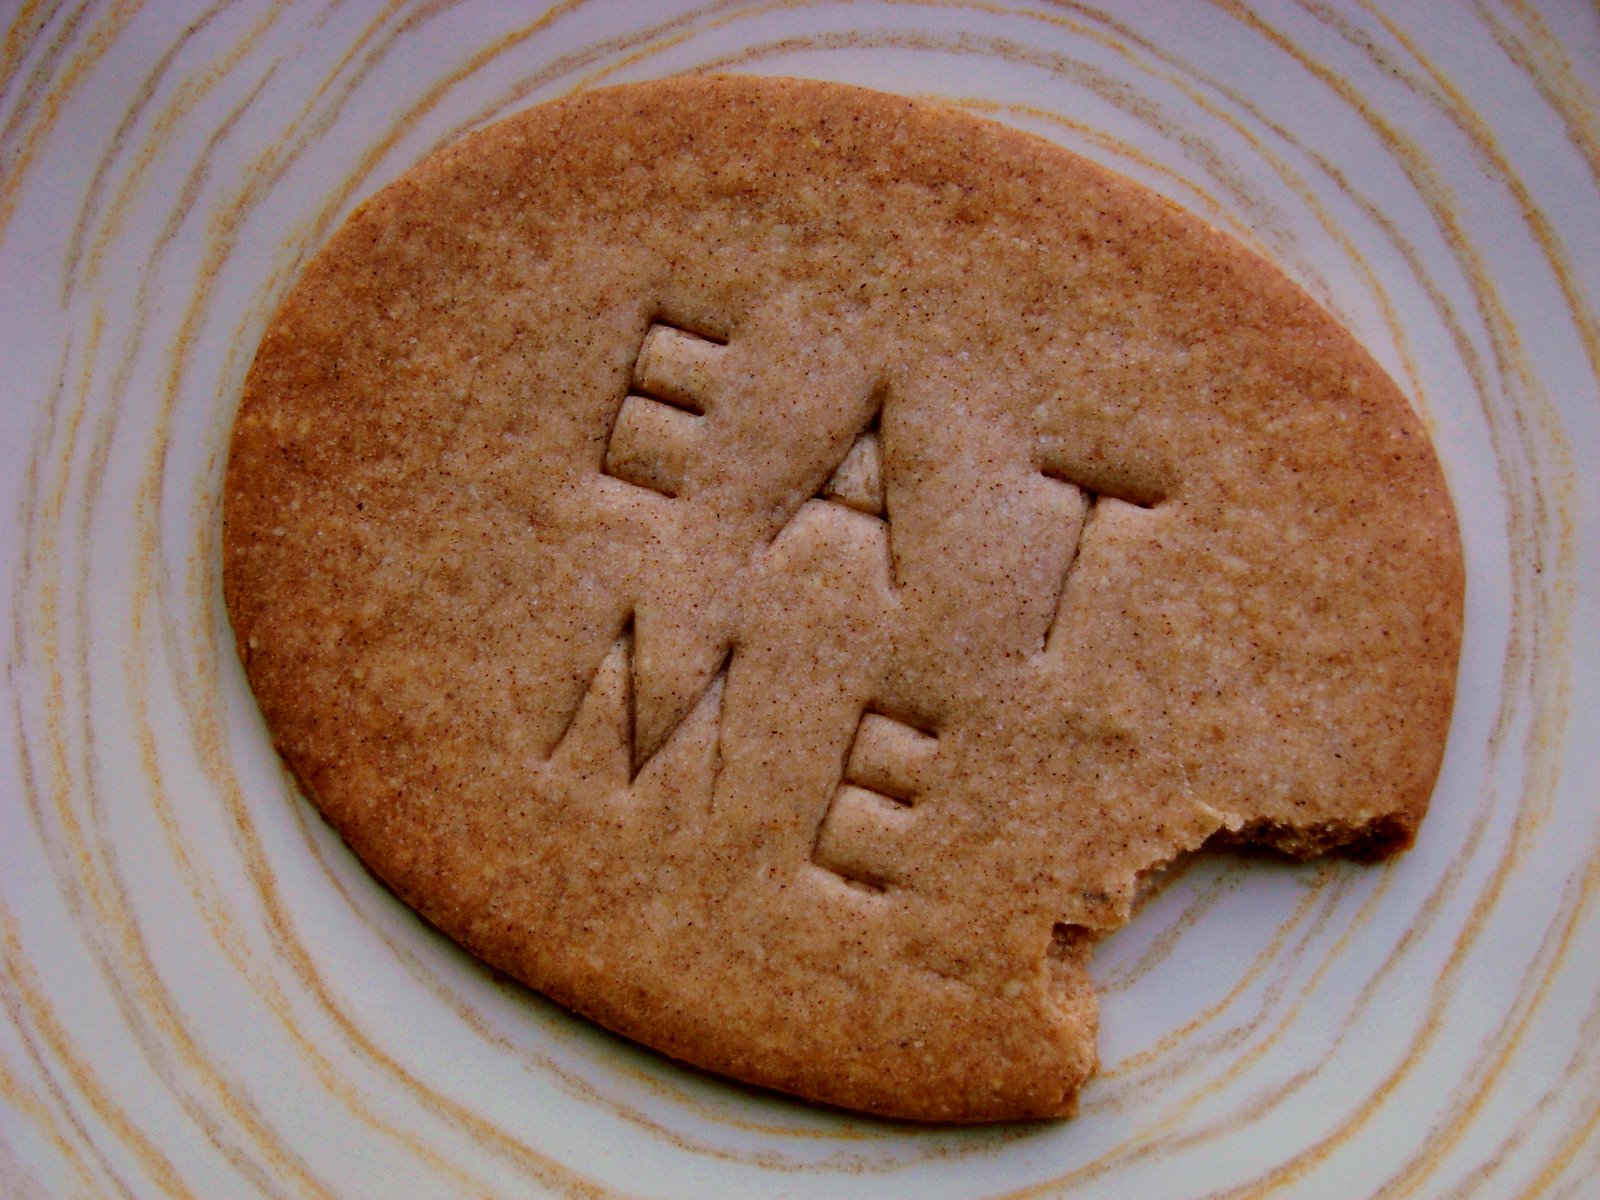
x=203 y=994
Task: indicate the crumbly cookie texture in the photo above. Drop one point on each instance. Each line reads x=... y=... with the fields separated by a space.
x=771 y=564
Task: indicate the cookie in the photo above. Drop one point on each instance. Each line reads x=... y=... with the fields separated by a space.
x=772 y=565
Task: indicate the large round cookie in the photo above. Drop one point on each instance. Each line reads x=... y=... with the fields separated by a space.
x=771 y=564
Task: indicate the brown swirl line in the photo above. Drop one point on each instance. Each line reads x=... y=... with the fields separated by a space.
x=26 y=26
x=1144 y=56
x=1157 y=1070
x=48 y=88
x=114 y=936
x=21 y=996
x=1542 y=59
x=1535 y=791
x=1307 y=923
x=217 y=918
x=16 y=1174
x=1110 y=982
x=27 y=1005
x=37 y=1113
x=190 y=92
x=1144 y=1144
x=1447 y=98
x=1585 y=1064
x=20 y=38
x=1268 y=1098
x=1374 y=213
x=1582 y=1066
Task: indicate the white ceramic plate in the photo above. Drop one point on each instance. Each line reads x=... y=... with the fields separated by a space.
x=203 y=994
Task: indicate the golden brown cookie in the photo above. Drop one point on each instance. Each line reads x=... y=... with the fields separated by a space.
x=770 y=564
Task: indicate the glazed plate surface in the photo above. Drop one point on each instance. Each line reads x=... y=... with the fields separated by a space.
x=203 y=994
